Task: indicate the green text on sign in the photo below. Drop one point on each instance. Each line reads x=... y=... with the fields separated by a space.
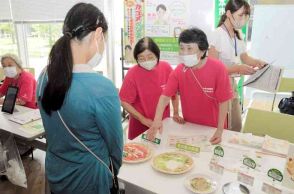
x=156 y=140
x=187 y=147
x=219 y=151
x=168 y=44
x=275 y=174
x=249 y=162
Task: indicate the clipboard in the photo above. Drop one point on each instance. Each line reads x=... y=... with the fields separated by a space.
x=256 y=75
x=267 y=79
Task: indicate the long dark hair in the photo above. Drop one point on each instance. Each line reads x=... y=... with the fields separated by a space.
x=233 y=6
x=80 y=20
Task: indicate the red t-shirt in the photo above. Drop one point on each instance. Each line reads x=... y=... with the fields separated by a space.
x=142 y=88
x=26 y=84
x=197 y=107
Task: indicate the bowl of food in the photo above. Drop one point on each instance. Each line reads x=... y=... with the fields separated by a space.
x=201 y=184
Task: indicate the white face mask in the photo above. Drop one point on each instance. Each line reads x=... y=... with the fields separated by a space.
x=189 y=60
x=96 y=59
x=148 y=64
x=10 y=71
x=238 y=24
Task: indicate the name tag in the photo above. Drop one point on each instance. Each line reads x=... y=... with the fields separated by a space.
x=219 y=169
x=244 y=178
x=188 y=148
x=267 y=188
x=156 y=140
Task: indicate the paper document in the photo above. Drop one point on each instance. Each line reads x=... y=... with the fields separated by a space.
x=34 y=127
x=26 y=117
x=276 y=146
x=267 y=79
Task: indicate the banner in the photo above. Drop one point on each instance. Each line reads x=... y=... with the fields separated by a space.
x=134 y=26
x=169 y=49
x=164 y=21
x=166 y=18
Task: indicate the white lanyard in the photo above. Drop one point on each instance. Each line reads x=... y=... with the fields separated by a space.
x=233 y=43
x=73 y=135
x=195 y=78
x=88 y=149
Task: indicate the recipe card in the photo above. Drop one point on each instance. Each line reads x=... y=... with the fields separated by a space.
x=289 y=169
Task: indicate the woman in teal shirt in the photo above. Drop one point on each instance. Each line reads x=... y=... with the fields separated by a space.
x=88 y=104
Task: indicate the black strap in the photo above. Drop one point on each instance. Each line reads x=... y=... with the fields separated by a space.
x=115 y=186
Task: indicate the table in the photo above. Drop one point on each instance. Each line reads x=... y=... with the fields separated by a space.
x=14 y=128
x=142 y=178
x=35 y=183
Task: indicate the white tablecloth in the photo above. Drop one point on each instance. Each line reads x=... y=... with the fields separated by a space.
x=142 y=178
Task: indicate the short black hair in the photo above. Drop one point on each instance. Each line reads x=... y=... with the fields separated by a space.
x=144 y=44
x=161 y=6
x=194 y=35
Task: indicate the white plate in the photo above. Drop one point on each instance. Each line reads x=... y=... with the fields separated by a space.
x=208 y=178
x=149 y=155
x=172 y=162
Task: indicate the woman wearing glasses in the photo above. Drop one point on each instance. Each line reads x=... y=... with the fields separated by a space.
x=143 y=86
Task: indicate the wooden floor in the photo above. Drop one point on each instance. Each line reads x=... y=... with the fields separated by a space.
x=35 y=177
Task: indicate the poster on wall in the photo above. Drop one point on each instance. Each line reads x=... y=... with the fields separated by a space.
x=164 y=21
x=169 y=49
x=166 y=18
x=134 y=26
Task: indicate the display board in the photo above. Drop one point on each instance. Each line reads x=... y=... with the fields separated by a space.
x=163 y=21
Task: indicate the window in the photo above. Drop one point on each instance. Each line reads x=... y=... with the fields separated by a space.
x=40 y=38
x=8 y=42
x=29 y=30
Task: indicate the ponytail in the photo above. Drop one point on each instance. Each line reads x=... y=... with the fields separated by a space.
x=233 y=6
x=81 y=19
x=59 y=75
x=222 y=20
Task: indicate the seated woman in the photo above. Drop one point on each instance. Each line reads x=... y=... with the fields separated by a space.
x=143 y=86
x=16 y=76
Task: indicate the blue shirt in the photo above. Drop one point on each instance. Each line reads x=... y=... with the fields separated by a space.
x=91 y=110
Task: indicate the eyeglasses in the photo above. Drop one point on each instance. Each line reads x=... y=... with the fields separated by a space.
x=148 y=58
